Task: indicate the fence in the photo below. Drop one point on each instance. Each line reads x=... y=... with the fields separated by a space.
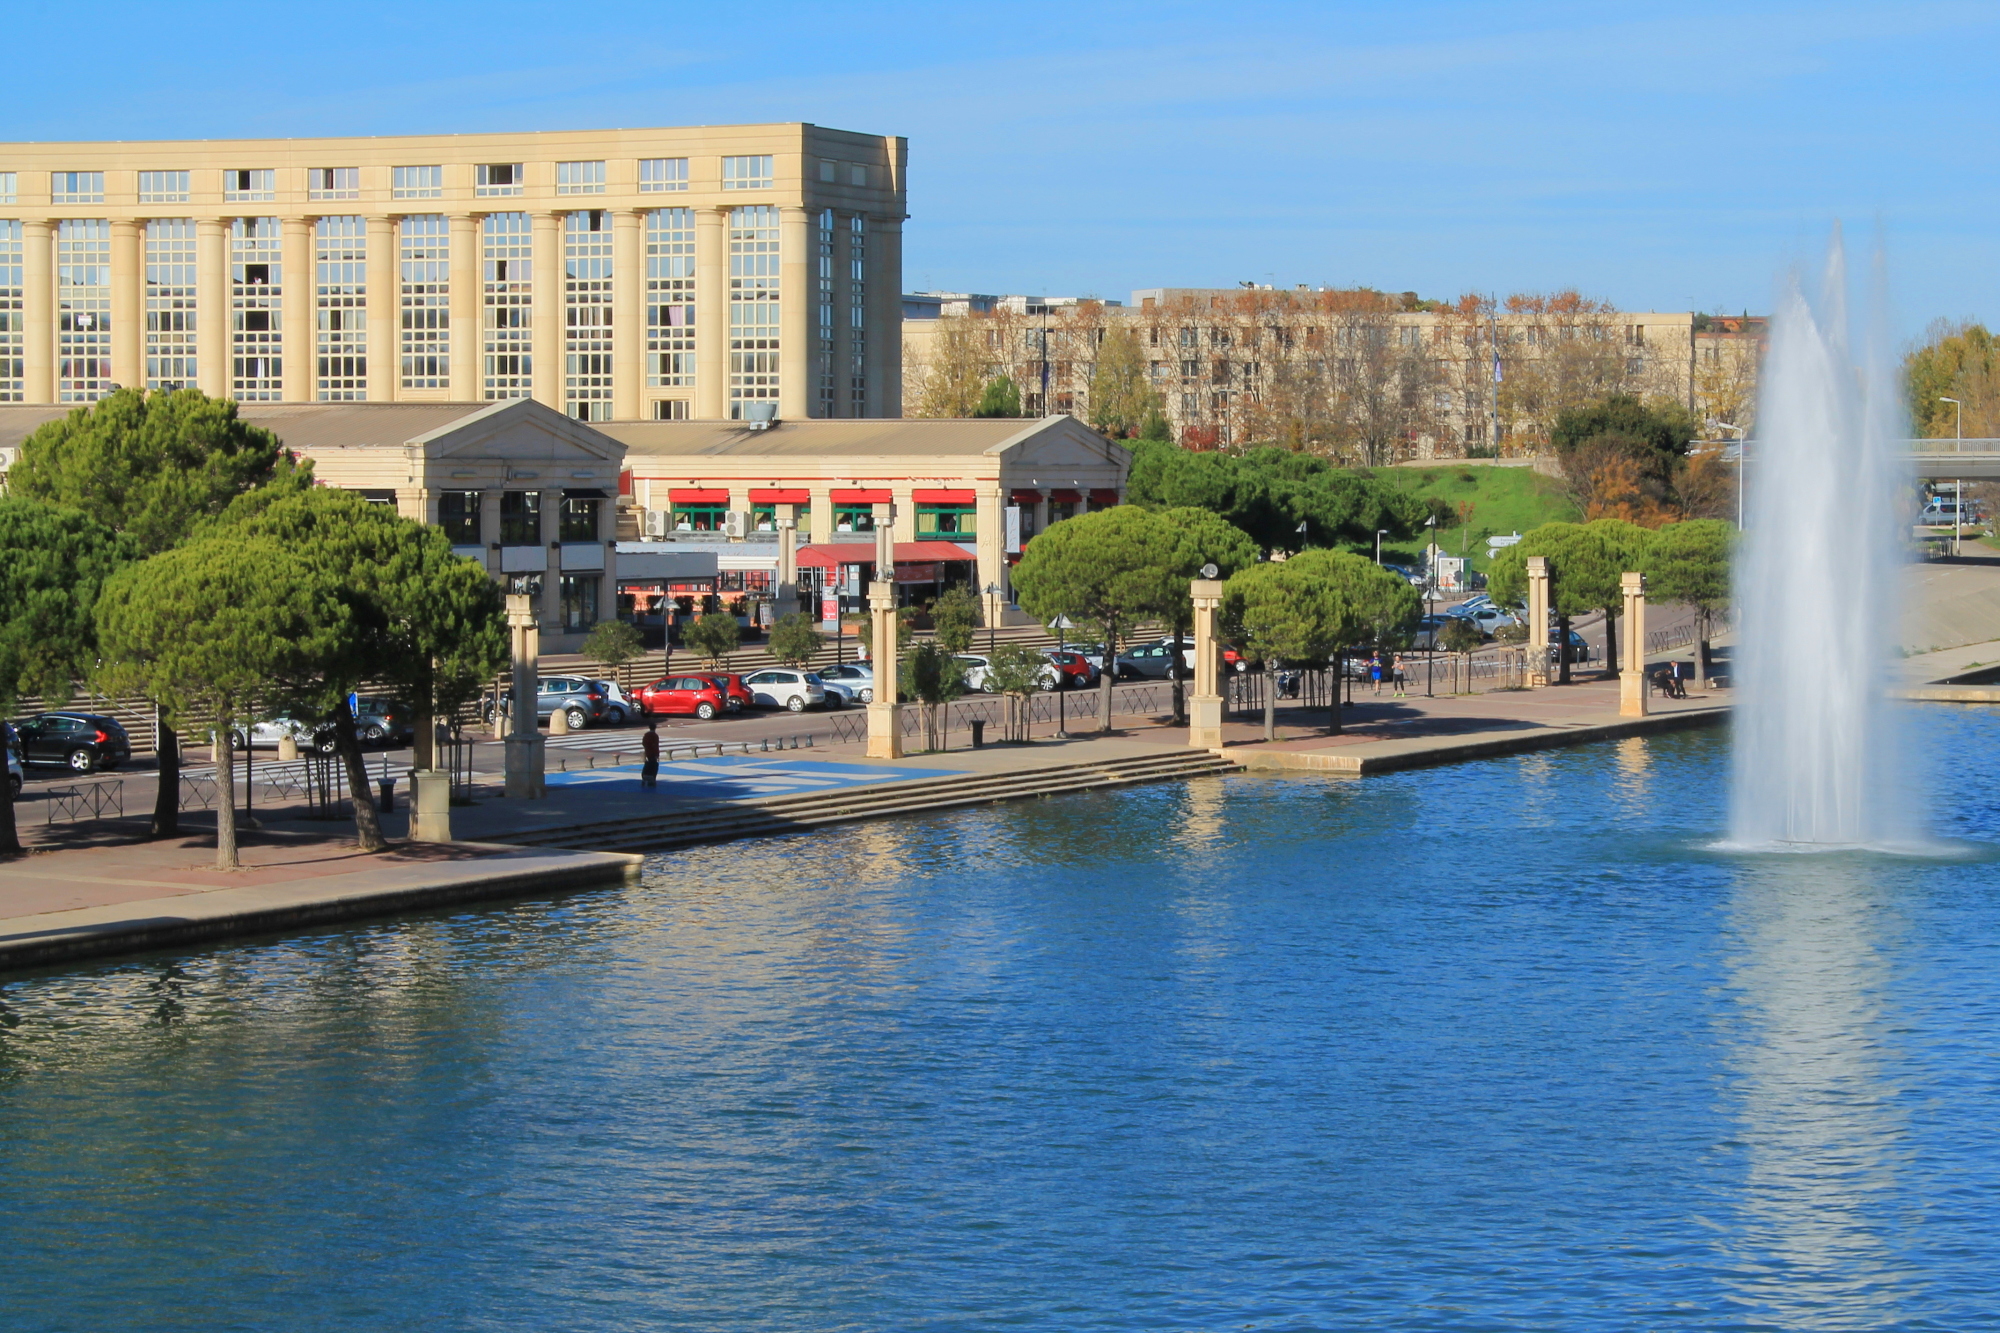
x=1680 y=636
x=1047 y=711
x=85 y=801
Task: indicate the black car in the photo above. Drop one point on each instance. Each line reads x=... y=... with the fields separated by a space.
x=80 y=742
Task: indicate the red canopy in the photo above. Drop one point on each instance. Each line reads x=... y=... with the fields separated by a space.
x=943 y=497
x=833 y=554
x=1066 y=497
x=862 y=497
x=780 y=496
x=1104 y=497
x=694 y=497
x=1027 y=497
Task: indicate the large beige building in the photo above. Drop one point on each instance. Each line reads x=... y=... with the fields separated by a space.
x=715 y=272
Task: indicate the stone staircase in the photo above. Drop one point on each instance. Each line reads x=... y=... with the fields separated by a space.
x=692 y=825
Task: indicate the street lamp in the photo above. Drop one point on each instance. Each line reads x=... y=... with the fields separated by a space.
x=1742 y=460
x=1059 y=625
x=1430 y=595
x=992 y=614
x=1380 y=533
x=1957 y=487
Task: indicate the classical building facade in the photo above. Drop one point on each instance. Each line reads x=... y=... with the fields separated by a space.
x=718 y=272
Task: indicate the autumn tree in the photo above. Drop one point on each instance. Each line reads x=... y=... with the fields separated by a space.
x=1959 y=361
x=949 y=378
x=1121 y=396
x=1622 y=458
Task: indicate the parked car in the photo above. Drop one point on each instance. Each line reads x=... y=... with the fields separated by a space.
x=619 y=707
x=734 y=690
x=1489 y=618
x=699 y=695
x=786 y=688
x=580 y=701
x=385 y=722
x=1429 y=633
x=1149 y=661
x=265 y=733
x=1073 y=669
x=977 y=666
x=856 y=678
x=80 y=742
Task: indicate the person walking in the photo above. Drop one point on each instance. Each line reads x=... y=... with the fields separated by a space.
x=1375 y=670
x=1396 y=674
x=649 y=745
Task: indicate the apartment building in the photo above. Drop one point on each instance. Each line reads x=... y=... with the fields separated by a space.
x=721 y=272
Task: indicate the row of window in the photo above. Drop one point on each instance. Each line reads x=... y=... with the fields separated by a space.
x=933 y=520
x=260 y=185
x=459 y=514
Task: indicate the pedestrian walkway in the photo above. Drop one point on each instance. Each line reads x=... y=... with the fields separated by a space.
x=740 y=777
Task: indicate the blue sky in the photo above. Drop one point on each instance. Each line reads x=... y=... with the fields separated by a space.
x=1663 y=157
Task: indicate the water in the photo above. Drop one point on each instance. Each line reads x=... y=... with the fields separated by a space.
x=1819 y=761
x=1497 y=1046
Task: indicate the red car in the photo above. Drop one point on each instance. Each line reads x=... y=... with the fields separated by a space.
x=1077 y=671
x=735 y=691
x=684 y=694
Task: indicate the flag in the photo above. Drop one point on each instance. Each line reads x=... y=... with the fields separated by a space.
x=1496 y=365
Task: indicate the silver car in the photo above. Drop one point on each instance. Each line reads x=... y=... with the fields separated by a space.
x=786 y=688
x=853 y=680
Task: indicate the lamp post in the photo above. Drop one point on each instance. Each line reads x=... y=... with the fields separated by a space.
x=1742 y=459
x=1430 y=595
x=992 y=614
x=1380 y=533
x=1957 y=487
x=1059 y=625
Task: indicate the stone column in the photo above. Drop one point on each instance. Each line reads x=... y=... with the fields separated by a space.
x=1632 y=679
x=547 y=313
x=885 y=543
x=885 y=715
x=883 y=355
x=297 y=322
x=213 y=318
x=711 y=313
x=1538 y=620
x=525 y=758
x=787 y=591
x=38 y=298
x=385 y=303
x=795 y=305
x=1205 y=705
x=467 y=270
x=989 y=539
x=550 y=609
x=128 y=284
x=489 y=528
x=628 y=313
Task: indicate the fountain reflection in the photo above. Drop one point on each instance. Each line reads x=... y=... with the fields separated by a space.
x=1816 y=1099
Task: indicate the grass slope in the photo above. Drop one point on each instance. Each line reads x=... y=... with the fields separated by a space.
x=1502 y=500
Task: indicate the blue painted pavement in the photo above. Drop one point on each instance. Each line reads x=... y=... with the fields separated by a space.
x=733 y=777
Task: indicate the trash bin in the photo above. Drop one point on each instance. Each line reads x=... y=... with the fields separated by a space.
x=387 y=805
x=978 y=732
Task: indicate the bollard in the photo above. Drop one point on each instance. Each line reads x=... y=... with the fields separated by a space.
x=288 y=749
x=387 y=805
x=978 y=733
x=559 y=722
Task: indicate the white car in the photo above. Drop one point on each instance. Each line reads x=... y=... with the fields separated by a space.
x=781 y=688
x=618 y=705
x=977 y=666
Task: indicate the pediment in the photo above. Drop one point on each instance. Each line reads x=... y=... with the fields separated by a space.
x=522 y=431
x=1059 y=443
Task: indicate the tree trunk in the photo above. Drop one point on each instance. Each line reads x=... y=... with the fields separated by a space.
x=367 y=820
x=1105 y=678
x=1701 y=651
x=225 y=796
x=1611 y=641
x=1339 y=671
x=1174 y=670
x=167 y=800
x=1270 y=698
x=1562 y=650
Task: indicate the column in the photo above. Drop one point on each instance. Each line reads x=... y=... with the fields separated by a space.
x=885 y=716
x=128 y=284
x=885 y=542
x=990 y=541
x=212 y=316
x=548 y=310
x=795 y=267
x=38 y=296
x=385 y=303
x=524 y=742
x=550 y=609
x=297 y=317
x=1538 y=620
x=466 y=281
x=489 y=529
x=819 y=513
x=787 y=598
x=884 y=355
x=628 y=313
x=711 y=314
x=1632 y=680
x=1205 y=705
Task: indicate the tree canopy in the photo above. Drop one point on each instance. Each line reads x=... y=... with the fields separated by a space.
x=1312 y=606
x=1269 y=493
x=1623 y=458
x=1959 y=361
x=152 y=466
x=1122 y=397
x=1690 y=563
x=1000 y=398
x=1584 y=569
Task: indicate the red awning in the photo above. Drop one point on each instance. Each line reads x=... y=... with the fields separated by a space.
x=862 y=497
x=1104 y=497
x=1027 y=497
x=1066 y=497
x=780 y=497
x=933 y=551
x=944 y=497
x=831 y=555
x=682 y=496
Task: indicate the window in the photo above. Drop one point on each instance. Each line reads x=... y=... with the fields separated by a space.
x=670 y=298
x=577 y=596
x=334 y=182
x=170 y=303
x=498 y=178
x=7 y=187
x=1189 y=338
x=746 y=173
x=256 y=303
x=521 y=518
x=663 y=173
x=579 y=178
x=699 y=517
x=825 y=354
x=579 y=519
x=83 y=309
x=506 y=332
x=857 y=315
x=417 y=182
x=458 y=515
x=945 y=521
x=13 y=336
x=854 y=518
x=76 y=187
x=587 y=333
x=753 y=306
x=340 y=257
x=426 y=302
x=829 y=171
x=163 y=187
x=250 y=187
x=670 y=409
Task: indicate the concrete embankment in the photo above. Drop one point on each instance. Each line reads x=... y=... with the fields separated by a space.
x=1389 y=756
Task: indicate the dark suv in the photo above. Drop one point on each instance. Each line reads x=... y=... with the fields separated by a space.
x=80 y=742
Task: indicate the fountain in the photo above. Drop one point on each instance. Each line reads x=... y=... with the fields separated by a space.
x=1817 y=759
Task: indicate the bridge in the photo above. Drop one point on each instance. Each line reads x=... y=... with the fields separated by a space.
x=1934 y=460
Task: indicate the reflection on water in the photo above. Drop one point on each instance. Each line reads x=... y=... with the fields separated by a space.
x=1816 y=1095
x=1496 y=1046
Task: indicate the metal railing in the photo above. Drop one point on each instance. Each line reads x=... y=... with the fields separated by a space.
x=85 y=801
x=1680 y=636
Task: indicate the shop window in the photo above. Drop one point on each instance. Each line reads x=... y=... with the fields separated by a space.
x=945 y=521
x=579 y=520
x=458 y=515
x=578 y=600
x=1061 y=509
x=853 y=518
x=763 y=518
x=699 y=518
x=521 y=518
